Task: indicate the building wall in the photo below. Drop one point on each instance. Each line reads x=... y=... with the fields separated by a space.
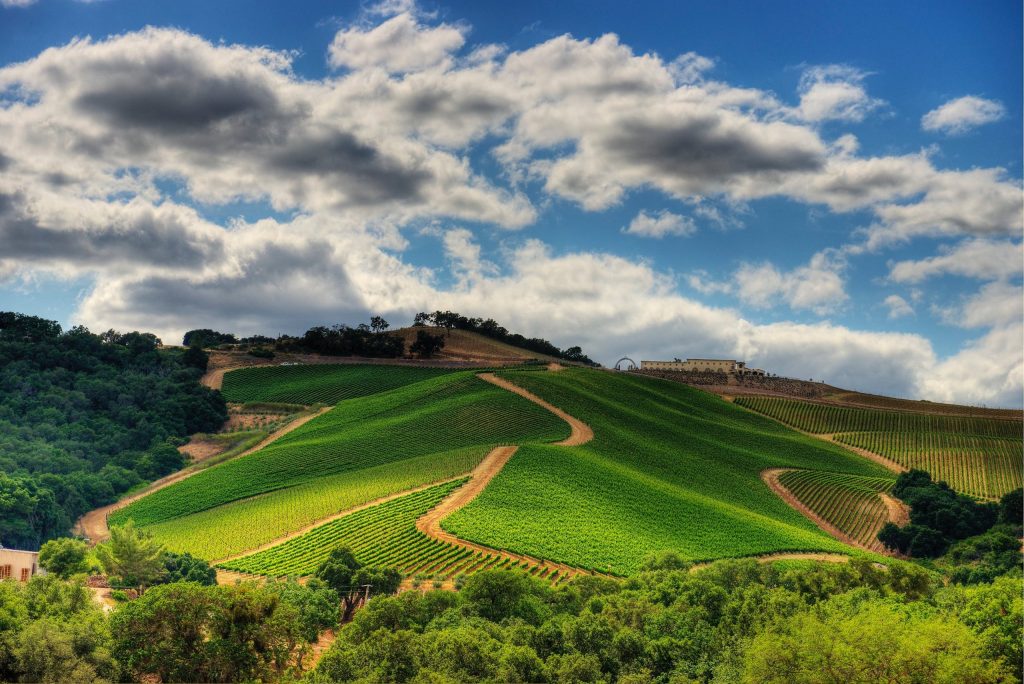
x=702 y=365
x=18 y=565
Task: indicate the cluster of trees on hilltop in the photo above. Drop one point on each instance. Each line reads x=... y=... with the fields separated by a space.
x=490 y=328
x=367 y=339
x=84 y=417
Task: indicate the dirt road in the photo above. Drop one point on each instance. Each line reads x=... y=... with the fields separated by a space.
x=581 y=432
x=94 y=523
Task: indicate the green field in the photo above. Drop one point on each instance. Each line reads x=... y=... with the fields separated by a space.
x=985 y=467
x=850 y=502
x=249 y=523
x=830 y=418
x=670 y=467
x=437 y=416
x=320 y=383
x=981 y=456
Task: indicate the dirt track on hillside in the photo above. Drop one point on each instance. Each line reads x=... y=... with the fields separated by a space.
x=94 y=523
x=581 y=432
x=897 y=510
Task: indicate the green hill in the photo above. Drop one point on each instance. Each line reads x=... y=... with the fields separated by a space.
x=670 y=467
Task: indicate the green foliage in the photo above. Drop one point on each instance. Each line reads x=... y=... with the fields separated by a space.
x=426 y=345
x=187 y=568
x=52 y=631
x=352 y=581
x=1011 y=507
x=670 y=467
x=84 y=418
x=938 y=516
x=449 y=412
x=185 y=632
x=204 y=337
x=132 y=556
x=723 y=623
x=64 y=557
x=976 y=455
x=195 y=357
x=984 y=557
x=320 y=383
x=853 y=640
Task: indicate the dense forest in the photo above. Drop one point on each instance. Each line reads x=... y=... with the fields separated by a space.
x=85 y=417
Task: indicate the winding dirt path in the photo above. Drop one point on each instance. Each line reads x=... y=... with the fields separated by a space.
x=581 y=432
x=94 y=523
x=897 y=511
x=323 y=521
x=430 y=522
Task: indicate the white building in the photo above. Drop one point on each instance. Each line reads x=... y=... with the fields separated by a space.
x=727 y=366
x=18 y=565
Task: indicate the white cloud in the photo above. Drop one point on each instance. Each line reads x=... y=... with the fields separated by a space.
x=817 y=287
x=834 y=92
x=660 y=224
x=980 y=259
x=898 y=306
x=962 y=114
x=97 y=129
x=399 y=45
x=17 y=3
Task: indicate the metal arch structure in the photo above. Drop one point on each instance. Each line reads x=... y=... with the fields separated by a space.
x=632 y=364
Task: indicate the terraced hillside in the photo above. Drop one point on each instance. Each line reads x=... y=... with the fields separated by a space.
x=977 y=455
x=669 y=467
x=851 y=504
x=360 y=450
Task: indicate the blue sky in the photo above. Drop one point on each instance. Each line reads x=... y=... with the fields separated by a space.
x=825 y=189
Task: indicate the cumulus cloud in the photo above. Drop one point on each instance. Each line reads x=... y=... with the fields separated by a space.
x=834 y=92
x=399 y=45
x=962 y=114
x=898 y=306
x=817 y=287
x=660 y=224
x=93 y=132
x=979 y=259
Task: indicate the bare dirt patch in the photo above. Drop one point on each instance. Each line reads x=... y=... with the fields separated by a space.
x=899 y=512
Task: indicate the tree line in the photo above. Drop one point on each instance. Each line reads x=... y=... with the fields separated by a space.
x=369 y=339
x=85 y=417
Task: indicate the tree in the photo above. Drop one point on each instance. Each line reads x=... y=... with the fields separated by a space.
x=378 y=324
x=849 y=641
x=64 y=557
x=204 y=337
x=195 y=357
x=185 y=567
x=132 y=555
x=421 y=319
x=426 y=345
x=354 y=583
x=184 y=632
x=1011 y=507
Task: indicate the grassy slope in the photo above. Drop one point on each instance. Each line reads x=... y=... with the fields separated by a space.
x=249 y=523
x=320 y=383
x=437 y=416
x=670 y=467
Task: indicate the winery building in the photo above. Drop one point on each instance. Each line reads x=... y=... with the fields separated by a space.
x=727 y=366
x=18 y=565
